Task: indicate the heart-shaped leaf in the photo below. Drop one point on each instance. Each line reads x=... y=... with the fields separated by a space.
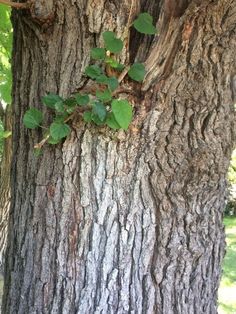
x=137 y=72
x=87 y=116
x=59 y=106
x=112 y=43
x=111 y=121
x=70 y=102
x=96 y=119
x=82 y=99
x=122 y=111
x=61 y=117
x=104 y=96
x=114 y=64
x=100 y=110
x=52 y=141
x=59 y=130
x=50 y=100
x=102 y=79
x=112 y=83
x=93 y=71
x=144 y=24
x=32 y=118
x=98 y=53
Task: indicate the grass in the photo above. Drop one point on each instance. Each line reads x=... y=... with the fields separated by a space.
x=227 y=291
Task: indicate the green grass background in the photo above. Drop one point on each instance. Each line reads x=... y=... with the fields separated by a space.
x=227 y=291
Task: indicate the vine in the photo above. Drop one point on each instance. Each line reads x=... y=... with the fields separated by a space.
x=100 y=104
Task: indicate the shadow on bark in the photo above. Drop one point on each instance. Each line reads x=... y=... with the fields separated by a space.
x=5 y=184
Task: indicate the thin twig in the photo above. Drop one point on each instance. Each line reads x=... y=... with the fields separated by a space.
x=71 y=116
x=123 y=74
x=40 y=144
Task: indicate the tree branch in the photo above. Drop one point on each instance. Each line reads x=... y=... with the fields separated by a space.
x=15 y=4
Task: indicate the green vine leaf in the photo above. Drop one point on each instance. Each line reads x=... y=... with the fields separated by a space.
x=114 y=64
x=59 y=106
x=87 y=116
x=99 y=110
x=137 y=72
x=52 y=141
x=122 y=111
x=144 y=24
x=104 y=96
x=111 y=121
x=98 y=53
x=60 y=118
x=112 y=83
x=102 y=79
x=59 y=130
x=50 y=100
x=112 y=43
x=96 y=119
x=70 y=102
x=93 y=71
x=32 y=118
x=82 y=100
x=117 y=114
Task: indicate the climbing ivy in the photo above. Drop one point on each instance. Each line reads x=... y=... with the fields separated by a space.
x=101 y=107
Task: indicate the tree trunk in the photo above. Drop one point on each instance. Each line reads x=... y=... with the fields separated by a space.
x=123 y=222
x=5 y=185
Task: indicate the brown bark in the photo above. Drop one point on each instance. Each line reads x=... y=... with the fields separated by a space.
x=5 y=184
x=123 y=222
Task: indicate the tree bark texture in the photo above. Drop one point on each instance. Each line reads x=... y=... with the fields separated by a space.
x=123 y=222
x=5 y=193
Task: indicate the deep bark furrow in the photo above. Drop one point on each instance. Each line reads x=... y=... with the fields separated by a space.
x=5 y=191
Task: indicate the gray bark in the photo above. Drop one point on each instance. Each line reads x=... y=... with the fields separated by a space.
x=123 y=222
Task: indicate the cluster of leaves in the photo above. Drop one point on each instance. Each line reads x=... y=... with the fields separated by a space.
x=5 y=54
x=5 y=65
x=100 y=108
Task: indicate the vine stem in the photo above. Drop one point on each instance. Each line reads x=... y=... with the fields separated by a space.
x=123 y=74
x=40 y=144
x=15 y=4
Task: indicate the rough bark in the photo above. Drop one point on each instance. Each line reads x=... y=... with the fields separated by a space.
x=123 y=222
x=5 y=185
